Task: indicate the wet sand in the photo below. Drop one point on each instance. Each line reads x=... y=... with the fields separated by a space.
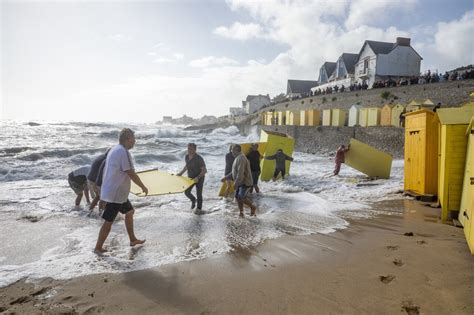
x=403 y=263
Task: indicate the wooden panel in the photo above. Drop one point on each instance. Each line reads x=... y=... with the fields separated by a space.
x=466 y=195
x=373 y=117
x=386 y=116
x=338 y=117
x=363 y=117
x=368 y=160
x=327 y=117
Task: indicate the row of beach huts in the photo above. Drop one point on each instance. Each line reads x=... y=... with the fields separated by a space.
x=388 y=115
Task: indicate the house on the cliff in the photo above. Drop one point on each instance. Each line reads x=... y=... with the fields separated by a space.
x=254 y=102
x=325 y=72
x=383 y=61
x=299 y=88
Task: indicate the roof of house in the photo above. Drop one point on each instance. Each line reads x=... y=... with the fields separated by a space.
x=455 y=116
x=329 y=67
x=300 y=86
x=251 y=97
x=382 y=47
x=349 y=61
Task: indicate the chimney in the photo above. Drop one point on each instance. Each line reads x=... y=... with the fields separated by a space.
x=403 y=41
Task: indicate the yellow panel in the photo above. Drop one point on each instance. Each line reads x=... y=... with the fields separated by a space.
x=326 y=117
x=274 y=142
x=314 y=117
x=386 y=115
x=160 y=183
x=368 y=160
x=303 y=118
x=373 y=116
x=246 y=147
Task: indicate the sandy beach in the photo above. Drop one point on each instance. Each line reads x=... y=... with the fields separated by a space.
x=406 y=262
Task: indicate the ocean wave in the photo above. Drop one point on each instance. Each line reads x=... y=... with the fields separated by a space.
x=171 y=133
x=232 y=130
x=60 y=153
x=149 y=157
x=109 y=134
x=13 y=150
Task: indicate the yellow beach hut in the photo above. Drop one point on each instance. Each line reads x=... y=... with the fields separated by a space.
x=292 y=118
x=338 y=117
x=395 y=117
x=314 y=117
x=281 y=118
x=373 y=116
x=269 y=118
x=452 y=156
x=326 y=117
x=363 y=116
x=304 y=118
x=386 y=115
x=467 y=200
x=413 y=105
x=353 y=115
x=421 y=153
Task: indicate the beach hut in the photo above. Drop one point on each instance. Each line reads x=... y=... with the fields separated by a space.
x=363 y=116
x=281 y=118
x=395 y=117
x=326 y=117
x=413 y=105
x=292 y=118
x=303 y=118
x=421 y=153
x=314 y=117
x=269 y=118
x=353 y=115
x=373 y=116
x=467 y=199
x=386 y=115
x=452 y=156
x=338 y=117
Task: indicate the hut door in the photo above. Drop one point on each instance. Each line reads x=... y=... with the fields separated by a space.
x=415 y=161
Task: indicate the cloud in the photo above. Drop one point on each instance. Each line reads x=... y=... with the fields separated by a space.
x=175 y=57
x=212 y=61
x=178 y=56
x=120 y=38
x=240 y=31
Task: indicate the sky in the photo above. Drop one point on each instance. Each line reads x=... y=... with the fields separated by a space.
x=136 y=61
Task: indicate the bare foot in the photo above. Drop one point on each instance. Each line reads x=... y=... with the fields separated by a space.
x=253 y=212
x=100 y=250
x=137 y=242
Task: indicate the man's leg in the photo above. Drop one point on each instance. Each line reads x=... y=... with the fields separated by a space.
x=199 y=188
x=103 y=233
x=241 y=208
x=252 y=207
x=78 y=198
x=191 y=197
x=337 y=169
x=131 y=233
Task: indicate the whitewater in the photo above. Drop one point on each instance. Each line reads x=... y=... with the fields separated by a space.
x=44 y=235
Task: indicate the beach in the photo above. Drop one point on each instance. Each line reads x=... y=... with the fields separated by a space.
x=404 y=262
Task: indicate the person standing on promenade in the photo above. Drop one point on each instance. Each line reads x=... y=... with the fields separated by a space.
x=118 y=173
x=242 y=176
x=196 y=168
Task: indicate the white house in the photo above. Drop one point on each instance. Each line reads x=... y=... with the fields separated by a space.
x=254 y=102
x=326 y=71
x=383 y=61
x=340 y=73
x=237 y=111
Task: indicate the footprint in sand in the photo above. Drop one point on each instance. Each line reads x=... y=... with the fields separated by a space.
x=422 y=242
x=410 y=308
x=393 y=247
x=387 y=279
x=398 y=262
x=408 y=234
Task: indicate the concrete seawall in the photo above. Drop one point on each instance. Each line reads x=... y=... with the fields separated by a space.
x=326 y=140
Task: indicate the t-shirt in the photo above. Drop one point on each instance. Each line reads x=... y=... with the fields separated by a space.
x=254 y=159
x=81 y=171
x=94 y=171
x=229 y=159
x=116 y=182
x=194 y=165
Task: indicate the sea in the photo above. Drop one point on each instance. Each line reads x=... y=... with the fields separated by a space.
x=43 y=234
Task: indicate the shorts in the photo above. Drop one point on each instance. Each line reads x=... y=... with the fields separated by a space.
x=255 y=176
x=241 y=192
x=112 y=209
x=77 y=183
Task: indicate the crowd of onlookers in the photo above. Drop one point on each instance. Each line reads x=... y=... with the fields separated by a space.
x=426 y=78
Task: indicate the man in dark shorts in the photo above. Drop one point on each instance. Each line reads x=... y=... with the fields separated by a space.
x=242 y=176
x=118 y=171
x=254 y=158
x=78 y=182
x=280 y=161
x=196 y=168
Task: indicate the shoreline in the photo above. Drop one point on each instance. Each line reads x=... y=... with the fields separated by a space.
x=368 y=267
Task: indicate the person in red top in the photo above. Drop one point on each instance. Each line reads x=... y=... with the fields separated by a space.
x=340 y=158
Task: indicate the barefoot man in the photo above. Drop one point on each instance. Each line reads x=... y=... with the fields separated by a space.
x=118 y=172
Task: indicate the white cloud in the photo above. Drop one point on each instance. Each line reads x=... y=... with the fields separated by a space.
x=240 y=31
x=178 y=56
x=175 y=57
x=120 y=38
x=212 y=61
